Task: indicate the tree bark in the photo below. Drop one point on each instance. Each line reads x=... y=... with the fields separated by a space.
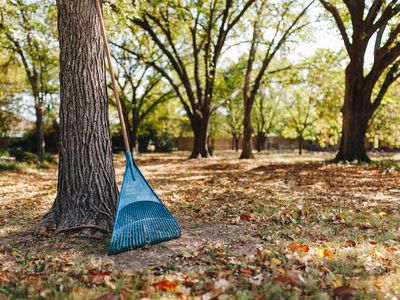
x=300 y=145
x=247 y=147
x=356 y=113
x=87 y=190
x=40 y=148
x=261 y=138
x=200 y=131
x=236 y=141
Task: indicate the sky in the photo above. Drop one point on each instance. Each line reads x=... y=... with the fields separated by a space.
x=325 y=36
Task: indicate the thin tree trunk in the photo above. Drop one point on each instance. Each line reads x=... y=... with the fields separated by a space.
x=87 y=191
x=300 y=145
x=235 y=142
x=134 y=135
x=247 y=133
x=210 y=147
x=260 y=141
x=129 y=129
x=39 y=131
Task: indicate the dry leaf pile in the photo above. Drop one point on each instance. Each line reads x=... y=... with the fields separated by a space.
x=268 y=228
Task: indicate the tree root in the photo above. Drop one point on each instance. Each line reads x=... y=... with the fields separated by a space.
x=80 y=227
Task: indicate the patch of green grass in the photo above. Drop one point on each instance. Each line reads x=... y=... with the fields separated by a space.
x=387 y=164
x=11 y=166
x=4 y=152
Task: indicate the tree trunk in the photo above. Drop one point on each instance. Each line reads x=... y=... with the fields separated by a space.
x=87 y=190
x=356 y=115
x=300 y=145
x=128 y=127
x=210 y=146
x=39 y=130
x=352 y=147
x=260 y=141
x=247 y=133
x=235 y=142
x=134 y=136
x=200 y=131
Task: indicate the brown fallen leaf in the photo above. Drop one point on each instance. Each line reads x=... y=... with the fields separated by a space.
x=350 y=243
x=344 y=292
x=245 y=217
x=107 y=296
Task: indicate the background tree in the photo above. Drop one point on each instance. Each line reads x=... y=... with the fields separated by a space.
x=323 y=77
x=358 y=22
x=87 y=191
x=11 y=75
x=228 y=93
x=300 y=117
x=266 y=114
x=234 y=118
x=191 y=36
x=141 y=91
x=384 y=129
x=27 y=29
x=283 y=19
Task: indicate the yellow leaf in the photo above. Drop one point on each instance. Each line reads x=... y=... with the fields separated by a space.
x=382 y=214
x=340 y=216
x=276 y=261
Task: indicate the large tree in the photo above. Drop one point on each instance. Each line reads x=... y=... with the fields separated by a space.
x=272 y=25
x=358 y=22
x=87 y=191
x=27 y=31
x=191 y=36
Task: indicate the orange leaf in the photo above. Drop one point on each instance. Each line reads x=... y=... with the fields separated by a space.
x=245 y=272
x=166 y=285
x=245 y=217
x=97 y=279
x=392 y=249
x=296 y=247
x=328 y=254
x=2 y=278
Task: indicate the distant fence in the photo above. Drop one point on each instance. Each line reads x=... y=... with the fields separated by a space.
x=6 y=142
x=271 y=143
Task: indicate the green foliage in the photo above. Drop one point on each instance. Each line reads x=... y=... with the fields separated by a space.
x=11 y=166
x=150 y=139
x=11 y=83
x=385 y=124
x=23 y=156
x=300 y=115
x=51 y=135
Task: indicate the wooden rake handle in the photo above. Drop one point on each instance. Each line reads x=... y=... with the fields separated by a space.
x=111 y=70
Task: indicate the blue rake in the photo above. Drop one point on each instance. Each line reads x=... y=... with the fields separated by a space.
x=141 y=219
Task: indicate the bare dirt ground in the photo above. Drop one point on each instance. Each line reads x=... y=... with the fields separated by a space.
x=277 y=227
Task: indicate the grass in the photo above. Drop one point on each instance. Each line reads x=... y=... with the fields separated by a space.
x=11 y=166
x=269 y=228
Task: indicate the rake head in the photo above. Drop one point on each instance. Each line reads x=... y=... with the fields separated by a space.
x=142 y=219
x=143 y=223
